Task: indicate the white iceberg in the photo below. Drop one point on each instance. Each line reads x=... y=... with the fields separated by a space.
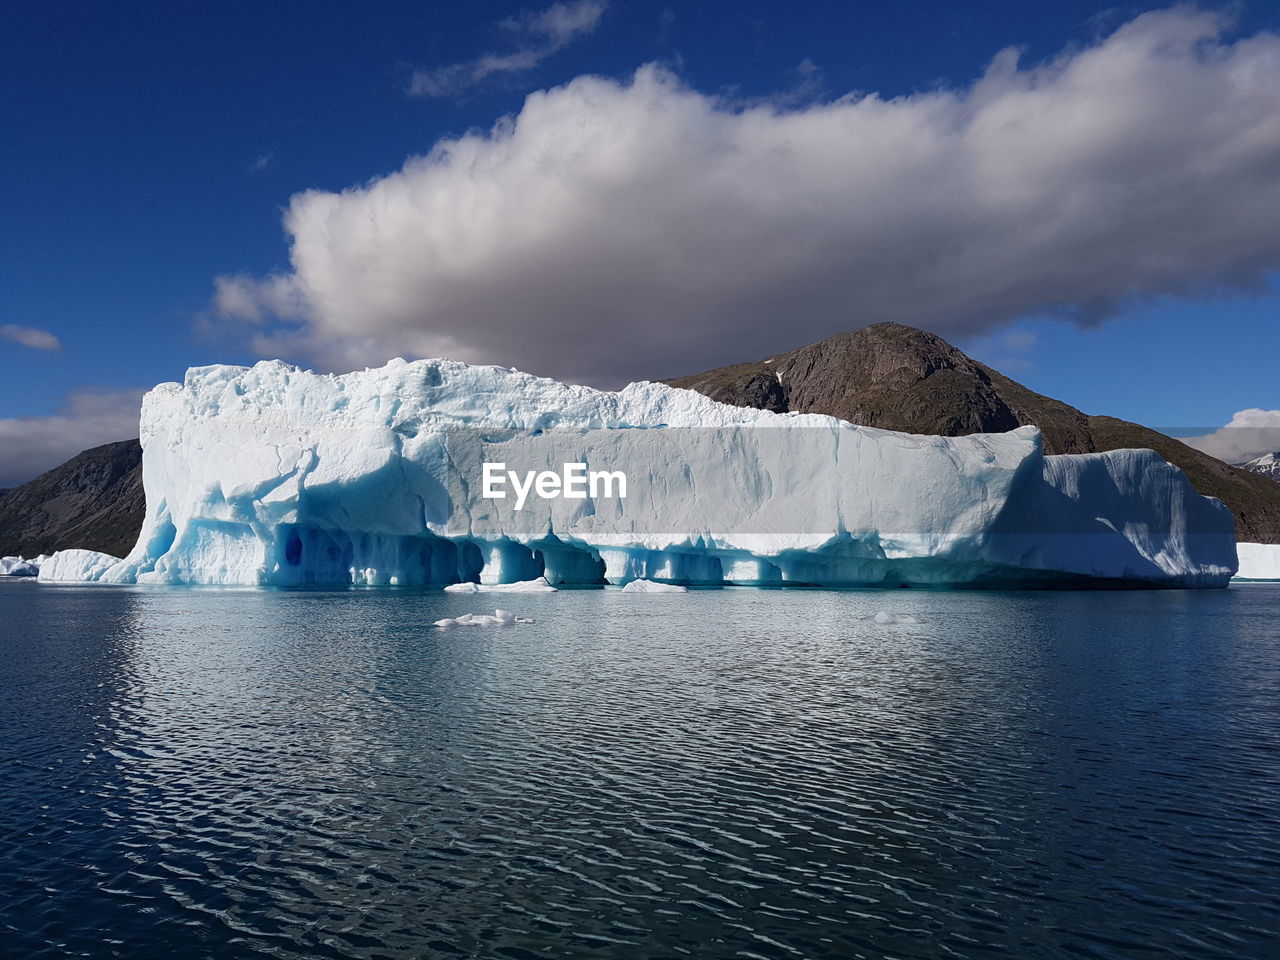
x=275 y=475
x=77 y=566
x=500 y=618
x=18 y=567
x=1259 y=561
x=648 y=586
x=537 y=585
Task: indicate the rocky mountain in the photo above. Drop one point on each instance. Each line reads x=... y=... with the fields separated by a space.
x=1268 y=465
x=899 y=378
x=94 y=501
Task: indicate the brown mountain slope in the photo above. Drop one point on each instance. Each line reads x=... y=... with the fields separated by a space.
x=93 y=501
x=900 y=378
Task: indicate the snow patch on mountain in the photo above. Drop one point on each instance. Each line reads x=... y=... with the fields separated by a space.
x=1268 y=465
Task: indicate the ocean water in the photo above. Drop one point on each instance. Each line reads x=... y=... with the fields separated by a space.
x=726 y=773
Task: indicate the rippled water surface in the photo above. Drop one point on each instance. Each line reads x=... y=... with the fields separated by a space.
x=729 y=773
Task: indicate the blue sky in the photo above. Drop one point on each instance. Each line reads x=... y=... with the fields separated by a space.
x=148 y=153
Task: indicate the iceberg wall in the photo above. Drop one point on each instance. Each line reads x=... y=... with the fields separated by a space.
x=275 y=475
x=1259 y=561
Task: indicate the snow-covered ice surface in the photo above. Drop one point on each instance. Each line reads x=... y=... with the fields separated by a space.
x=537 y=585
x=499 y=618
x=274 y=475
x=77 y=566
x=649 y=586
x=1259 y=561
x=18 y=567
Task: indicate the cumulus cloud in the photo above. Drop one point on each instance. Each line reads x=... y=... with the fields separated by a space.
x=1249 y=435
x=87 y=418
x=614 y=230
x=538 y=36
x=30 y=337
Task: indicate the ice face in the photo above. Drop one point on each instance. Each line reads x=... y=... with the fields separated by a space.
x=274 y=475
x=1259 y=561
x=18 y=567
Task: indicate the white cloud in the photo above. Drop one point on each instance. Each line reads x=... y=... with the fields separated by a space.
x=615 y=230
x=538 y=36
x=30 y=337
x=256 y=299
x=88 y=417
x=1249 y=435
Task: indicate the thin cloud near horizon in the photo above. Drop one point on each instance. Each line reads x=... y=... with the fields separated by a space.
x=87 y=418
x=1250 y=434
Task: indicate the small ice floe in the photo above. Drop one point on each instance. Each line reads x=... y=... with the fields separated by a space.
x=76 y=566
x=539 y=585
x=500 y=618
x=884 y=616
x=18 y=567
x=649 y=586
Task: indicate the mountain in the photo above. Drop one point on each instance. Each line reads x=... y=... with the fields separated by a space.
x=1268 y=465
x=94 y=501
x=899 y=378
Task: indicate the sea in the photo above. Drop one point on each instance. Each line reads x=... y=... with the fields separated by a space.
x=749 y=773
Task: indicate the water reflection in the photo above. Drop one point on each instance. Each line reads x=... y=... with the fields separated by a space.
x=723 y=773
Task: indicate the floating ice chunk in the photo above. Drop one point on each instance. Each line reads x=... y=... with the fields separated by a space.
x=500 y=618
x=884 y=616
x=76 y=566
x=537 y=585
x=648 y=586
x=18 y=567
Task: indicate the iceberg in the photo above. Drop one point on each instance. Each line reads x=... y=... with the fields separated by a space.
x=275 y=475
x=650 y=586
x=1259 y=561
x=538 y=585
x=18 y=567
x=77 y=566
x=500 y=618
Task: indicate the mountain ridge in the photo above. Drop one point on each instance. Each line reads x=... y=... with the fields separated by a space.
x=896 y=377
x=93 y=501
x=1267 y=465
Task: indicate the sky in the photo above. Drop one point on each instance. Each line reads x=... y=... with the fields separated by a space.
x=1085 y=196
